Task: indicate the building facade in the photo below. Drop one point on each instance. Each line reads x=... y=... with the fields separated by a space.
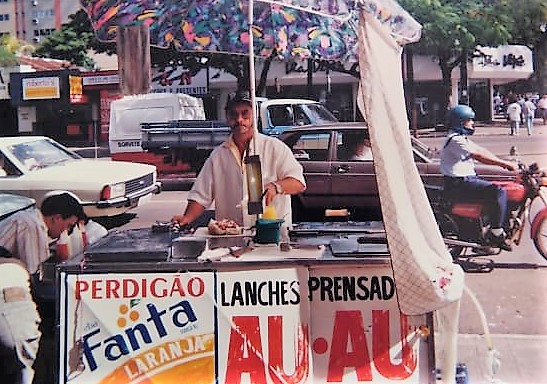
x=32 y=20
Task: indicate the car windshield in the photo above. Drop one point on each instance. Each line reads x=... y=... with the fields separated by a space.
x=423 y=149
x=320 y=114
x=40 y=154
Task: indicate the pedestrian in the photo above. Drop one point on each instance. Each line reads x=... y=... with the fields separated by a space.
x=514 y=115
x=458 y=158
x=222 y=179
x=520 y=100
x=24 y=241
x=529 y=112
x=542 y=104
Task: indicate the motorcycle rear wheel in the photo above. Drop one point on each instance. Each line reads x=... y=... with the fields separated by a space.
x=540 y=238
x=450 y=230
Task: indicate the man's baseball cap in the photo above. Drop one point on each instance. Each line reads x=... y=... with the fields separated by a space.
x=239 y=97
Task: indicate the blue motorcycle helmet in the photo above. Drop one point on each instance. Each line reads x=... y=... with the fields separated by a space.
x=458 y=115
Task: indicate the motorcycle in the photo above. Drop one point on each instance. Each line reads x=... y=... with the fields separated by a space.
x=465 y=224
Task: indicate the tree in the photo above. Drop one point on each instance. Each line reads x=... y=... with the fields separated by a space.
x=453 y=28
x=10 y=48
x=530 y=29
x=71 y=42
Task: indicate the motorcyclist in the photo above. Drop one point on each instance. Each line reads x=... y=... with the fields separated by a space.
x=458 y=158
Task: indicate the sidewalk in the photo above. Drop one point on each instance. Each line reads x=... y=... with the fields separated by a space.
x=523 y=358
x=497 y=127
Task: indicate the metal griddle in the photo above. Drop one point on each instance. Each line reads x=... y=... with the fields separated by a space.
x=131 y=245
x=344 y=239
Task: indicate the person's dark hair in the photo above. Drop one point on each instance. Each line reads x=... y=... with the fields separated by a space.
x=239 y=97
x=62 y=204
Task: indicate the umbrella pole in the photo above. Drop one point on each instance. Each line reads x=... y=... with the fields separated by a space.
x=252 y=73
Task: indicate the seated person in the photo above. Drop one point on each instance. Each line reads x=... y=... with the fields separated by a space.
x=360 y=147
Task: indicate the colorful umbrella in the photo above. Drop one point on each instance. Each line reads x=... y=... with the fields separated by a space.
x=321 y=29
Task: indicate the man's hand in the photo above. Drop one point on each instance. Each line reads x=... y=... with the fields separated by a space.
x=270 y=193
x=180 y=220
x=192 y=212
x=510 y=166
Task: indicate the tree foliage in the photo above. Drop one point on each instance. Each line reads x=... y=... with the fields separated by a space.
x=452 y=29
x=10 y=47
x=71 y=42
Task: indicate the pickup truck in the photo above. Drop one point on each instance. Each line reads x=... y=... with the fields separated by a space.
x=184 y=141
x=276 y=115
x=171 y=132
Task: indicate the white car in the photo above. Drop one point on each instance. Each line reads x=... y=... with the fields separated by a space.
x=34 y=166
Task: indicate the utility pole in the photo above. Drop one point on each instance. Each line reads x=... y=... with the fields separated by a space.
x=133 y=49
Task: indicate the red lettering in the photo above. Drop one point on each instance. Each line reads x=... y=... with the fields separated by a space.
x=185 y=78
x=381 y=345
x=112 y=287
x=245 y=340
x=196 y=287
x=154 y=290
x=275 y=353
x=81 y=286
x=130 y=288
x=96 y=288
x=348 y=327
x=144 y=288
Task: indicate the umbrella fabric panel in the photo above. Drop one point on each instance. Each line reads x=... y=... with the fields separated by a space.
x=294 y=28
x=222 y=26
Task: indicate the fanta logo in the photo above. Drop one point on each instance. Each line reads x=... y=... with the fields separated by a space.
x=133 y=338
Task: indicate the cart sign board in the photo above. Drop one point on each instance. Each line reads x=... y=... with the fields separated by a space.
x=264 y=321
x=123 y=328
x=292 y=324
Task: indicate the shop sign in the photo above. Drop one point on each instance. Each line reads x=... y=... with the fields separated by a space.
x=41 y=88
x=505 y=61
x=321 y=67
x=100 y=79
x=293 y=325
x=177 y=79
x=4 y=78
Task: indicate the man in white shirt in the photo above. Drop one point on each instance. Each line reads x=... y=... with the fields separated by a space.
x=222 y=179
x=542 y=104
x=528 y=113
x=514 y=112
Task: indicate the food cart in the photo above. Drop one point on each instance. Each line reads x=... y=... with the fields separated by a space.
x=131 y=310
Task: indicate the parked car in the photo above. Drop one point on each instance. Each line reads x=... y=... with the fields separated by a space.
x=336 y=182
x=34 y=166
x=9 y=204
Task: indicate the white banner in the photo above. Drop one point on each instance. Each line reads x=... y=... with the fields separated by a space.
x=177 y=79
x=505 y=62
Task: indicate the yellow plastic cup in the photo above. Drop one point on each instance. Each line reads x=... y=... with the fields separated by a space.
x=269 y=213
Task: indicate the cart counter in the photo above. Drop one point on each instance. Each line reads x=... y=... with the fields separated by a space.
x=129 y=312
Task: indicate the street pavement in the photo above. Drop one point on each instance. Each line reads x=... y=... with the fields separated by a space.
x=521 y=352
